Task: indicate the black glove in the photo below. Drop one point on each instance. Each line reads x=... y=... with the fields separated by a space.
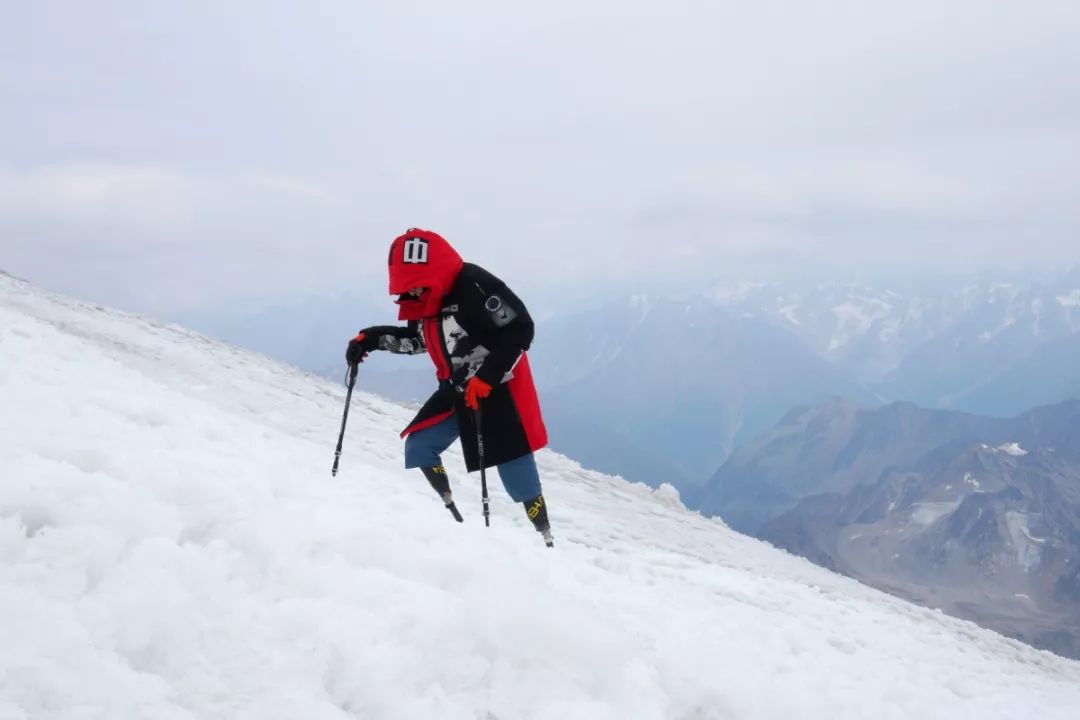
x=359 y=347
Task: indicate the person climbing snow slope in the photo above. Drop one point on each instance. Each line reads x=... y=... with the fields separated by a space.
x=477 y=332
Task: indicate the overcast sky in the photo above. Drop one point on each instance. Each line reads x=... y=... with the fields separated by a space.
x=167 y=156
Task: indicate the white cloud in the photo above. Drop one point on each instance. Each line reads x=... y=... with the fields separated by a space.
x=554 y=141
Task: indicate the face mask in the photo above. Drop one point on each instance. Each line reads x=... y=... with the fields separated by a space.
x=412 y=296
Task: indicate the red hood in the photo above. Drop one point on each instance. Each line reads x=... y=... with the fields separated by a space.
x=421 y=258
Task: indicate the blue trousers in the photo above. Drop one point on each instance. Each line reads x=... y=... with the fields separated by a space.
x=424 y=448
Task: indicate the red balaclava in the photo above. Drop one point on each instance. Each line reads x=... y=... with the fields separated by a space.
x=422 y=259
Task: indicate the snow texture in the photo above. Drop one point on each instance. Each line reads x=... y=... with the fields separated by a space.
x=1012 y=448
x=1070 y=299
x=855 y=317
x=1028 y=547
x=172 y=546
x=928 y=513
x=788 y=312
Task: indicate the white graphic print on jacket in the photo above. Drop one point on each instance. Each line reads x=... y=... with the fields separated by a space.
x=466 y=355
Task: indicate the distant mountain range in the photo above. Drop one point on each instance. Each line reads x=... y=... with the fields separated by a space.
x=663 y=388
x=687 y=381
x=692 y=378
x=1045 y=375
x=978 y=516
x=933 y=343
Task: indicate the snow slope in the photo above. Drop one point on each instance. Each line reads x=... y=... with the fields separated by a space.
x=172 y=546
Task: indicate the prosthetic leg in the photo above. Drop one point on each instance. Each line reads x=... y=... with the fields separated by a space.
x=436 y=477
x=536 y=509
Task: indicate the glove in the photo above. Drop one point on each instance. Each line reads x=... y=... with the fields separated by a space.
x=360 y=346
x=476 y=391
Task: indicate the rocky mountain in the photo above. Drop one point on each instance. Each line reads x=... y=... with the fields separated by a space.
x=978 y=516
x=733 y=360
x=1002 y=325
x=685 y=382
x=830 y=449
x=1044 y=376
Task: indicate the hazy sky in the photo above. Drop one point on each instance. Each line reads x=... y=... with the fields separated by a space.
x=178 y=155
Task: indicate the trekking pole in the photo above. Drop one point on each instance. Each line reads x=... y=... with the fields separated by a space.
x=483 y=473
x=353 y=369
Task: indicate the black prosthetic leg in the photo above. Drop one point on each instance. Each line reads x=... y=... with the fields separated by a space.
x=536 y=509
x=437 y=478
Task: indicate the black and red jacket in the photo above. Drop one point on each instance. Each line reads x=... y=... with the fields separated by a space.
x=470 y=323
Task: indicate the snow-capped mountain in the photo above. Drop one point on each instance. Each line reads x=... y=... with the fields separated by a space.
x=172 y=546
x=927 y=341
x=979 y=516
x=693 y=378
x=1001 y=326
x=862 y=328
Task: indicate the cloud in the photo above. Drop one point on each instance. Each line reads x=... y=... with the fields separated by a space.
x=161 y=240
x=201 y=153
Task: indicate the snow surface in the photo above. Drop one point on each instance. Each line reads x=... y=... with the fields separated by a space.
x=1012 y=448
x=1028 y=547
x=788 y=313
x=855 y=317
x=726 y=294
x=172 y=546
x=1070 y=299
x=928 y=513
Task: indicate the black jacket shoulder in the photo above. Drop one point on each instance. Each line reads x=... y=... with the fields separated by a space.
x=474 y=278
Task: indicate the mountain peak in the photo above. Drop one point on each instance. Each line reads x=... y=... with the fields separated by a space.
x=964 y=512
